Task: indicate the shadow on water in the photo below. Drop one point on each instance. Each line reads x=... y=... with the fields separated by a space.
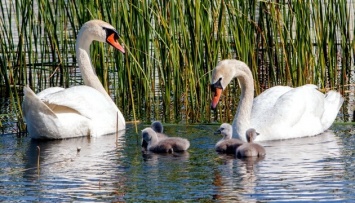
x=113 y=168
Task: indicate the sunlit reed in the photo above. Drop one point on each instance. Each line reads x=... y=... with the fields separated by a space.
x=171 y=47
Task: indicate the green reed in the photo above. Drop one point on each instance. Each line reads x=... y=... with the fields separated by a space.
x=172 y=46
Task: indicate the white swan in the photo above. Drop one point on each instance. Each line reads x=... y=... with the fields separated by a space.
x=57 y=113
x=280 y=112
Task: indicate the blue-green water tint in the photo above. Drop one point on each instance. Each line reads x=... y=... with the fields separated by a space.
x=110 y=169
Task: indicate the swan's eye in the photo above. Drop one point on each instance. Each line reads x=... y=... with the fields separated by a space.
x=216 y=85
x=110 y=31
x=213 y=88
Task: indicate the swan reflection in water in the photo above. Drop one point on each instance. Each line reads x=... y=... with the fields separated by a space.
x=106 y=165
x=77 y=164
x=293 y=161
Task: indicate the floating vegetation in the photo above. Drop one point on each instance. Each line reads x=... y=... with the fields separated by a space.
x=171 y=47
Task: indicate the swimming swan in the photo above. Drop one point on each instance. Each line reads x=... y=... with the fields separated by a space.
x=250 y=149
x=157 y=126
x=280 y=112
x=227 y=144
x=164 y=145
x=57 y=113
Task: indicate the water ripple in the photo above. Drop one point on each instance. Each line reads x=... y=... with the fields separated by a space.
x=112 y=168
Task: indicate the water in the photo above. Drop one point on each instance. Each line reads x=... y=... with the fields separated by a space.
x=113 y=169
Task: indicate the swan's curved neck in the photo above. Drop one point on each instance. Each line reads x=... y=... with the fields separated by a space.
x=241 y=120
x=83 y=58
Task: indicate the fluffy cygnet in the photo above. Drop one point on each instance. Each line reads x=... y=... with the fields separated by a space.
x=164 y=145
x=250 y=149
x=157 y=126
x=227 y=144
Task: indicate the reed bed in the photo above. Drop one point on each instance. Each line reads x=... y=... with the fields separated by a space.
x=172 y=46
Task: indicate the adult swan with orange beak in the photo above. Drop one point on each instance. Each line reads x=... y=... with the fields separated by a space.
x=85 y=110
x=280 y=112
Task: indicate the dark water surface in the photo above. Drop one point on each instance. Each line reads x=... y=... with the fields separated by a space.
x=113 y=169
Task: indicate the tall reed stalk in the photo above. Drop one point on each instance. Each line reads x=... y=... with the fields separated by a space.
x=172 y=46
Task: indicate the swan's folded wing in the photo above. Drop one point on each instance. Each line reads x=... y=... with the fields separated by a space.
x=49 y=91
x=43 y=122
x=82 y=99
x=297 y=113
x=33 y=104
x=265 y=103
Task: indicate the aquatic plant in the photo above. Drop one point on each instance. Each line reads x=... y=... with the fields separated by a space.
x=173 y=45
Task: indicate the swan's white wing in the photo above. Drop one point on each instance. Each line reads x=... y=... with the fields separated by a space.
x=42 y=122
x=296 y=113
x=299 y=103
x=82 y=99
x=49 y=91
x=265 y=102
x=89 y=103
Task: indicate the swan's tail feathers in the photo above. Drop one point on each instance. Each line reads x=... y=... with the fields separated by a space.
x=36 y=113
x=332 y=104
x=32 y=103
x=27 y=90
x=29 y=95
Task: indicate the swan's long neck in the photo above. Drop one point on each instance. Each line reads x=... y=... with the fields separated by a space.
x=83 y=58
x=242 y=118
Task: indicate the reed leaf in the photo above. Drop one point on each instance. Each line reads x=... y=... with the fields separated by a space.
x=172 y=46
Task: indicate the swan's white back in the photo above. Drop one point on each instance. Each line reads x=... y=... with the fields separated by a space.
x=299 y=112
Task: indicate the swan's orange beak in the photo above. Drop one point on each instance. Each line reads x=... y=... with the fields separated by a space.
x=112 y=40
x=217 y=94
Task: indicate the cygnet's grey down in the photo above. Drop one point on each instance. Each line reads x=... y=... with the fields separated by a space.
x=227 y=144
x=250 y=149
x=164 y=145
x=157 y=126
